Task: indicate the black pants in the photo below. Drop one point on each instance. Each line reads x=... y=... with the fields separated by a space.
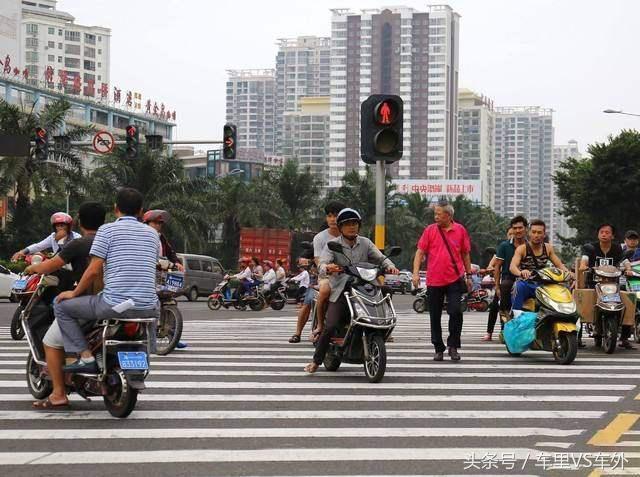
x=302 y=291
x=453 y=292
x=504 y=301
x=337 y=313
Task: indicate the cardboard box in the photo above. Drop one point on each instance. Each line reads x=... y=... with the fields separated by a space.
x=586 y=301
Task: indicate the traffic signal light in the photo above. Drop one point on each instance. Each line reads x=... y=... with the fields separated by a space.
x=42 y=144
x=133 y=140
x=381 y=128
x=154 y=142
x=62 y=143
x=229 y=143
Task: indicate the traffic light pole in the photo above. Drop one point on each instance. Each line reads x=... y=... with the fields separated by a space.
x=380 y=204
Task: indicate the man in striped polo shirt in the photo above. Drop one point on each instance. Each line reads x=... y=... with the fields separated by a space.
x=126 y=252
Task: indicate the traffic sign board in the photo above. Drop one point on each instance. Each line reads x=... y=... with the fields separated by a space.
x=103 y=142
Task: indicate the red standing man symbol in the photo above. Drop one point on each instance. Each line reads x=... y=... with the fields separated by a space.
x=385 y=113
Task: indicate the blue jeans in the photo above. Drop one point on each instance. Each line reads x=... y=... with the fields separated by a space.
x=523 y=290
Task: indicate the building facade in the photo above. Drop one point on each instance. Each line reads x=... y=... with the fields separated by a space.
x=476 y=149
x=302 y=70
x=560 y=154
x=46 y=39
x=251 y=107
x=524 y=163
x=402 y=51
x=306 y=135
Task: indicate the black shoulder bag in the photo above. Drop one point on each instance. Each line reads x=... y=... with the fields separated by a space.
x=461 y=281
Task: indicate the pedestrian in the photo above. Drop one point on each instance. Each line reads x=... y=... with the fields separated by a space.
x=447 y=247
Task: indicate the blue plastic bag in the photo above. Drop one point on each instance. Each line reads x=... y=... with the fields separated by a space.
x=519 y=333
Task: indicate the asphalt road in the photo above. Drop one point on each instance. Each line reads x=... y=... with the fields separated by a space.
x=236 y=402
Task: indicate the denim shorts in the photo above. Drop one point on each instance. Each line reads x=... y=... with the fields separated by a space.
x=311 y=295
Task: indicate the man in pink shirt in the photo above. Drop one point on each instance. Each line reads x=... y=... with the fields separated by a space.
x=447 y=248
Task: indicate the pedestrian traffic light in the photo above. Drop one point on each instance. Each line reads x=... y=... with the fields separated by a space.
x=154 y=142
x=381 y=128
x=42 y=144
x=62 y=143
x=133 y=140
x=229 y=142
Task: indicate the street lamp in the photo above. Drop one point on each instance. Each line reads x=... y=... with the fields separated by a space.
x=617 y=111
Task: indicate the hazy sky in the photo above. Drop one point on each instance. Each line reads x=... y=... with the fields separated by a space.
x=577 y=57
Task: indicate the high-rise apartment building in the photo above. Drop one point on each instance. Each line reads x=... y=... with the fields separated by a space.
x=476 y=149
x=36 y=36
x=524 y=163
x=302 y=70
x=560 y=154
x=251 y=107
x=396 y=50
x=306 y=134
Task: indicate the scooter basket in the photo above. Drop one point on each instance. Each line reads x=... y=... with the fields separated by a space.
x=520 y=333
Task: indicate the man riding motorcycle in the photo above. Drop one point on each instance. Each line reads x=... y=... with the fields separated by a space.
x=529 y=257
x=61 y=224
x=357 y=249
x=91 y=216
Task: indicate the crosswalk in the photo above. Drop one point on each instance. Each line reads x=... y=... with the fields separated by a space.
x=237 y=402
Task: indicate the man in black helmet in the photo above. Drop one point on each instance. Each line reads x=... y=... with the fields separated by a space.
x=357 y=249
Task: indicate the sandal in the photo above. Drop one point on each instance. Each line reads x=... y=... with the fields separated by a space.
x=311 y=368
x=294 y=339
x=46 y=404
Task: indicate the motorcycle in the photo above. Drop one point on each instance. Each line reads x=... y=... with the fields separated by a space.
x=121 y=348
x=16 y=330
x=169 y=283
x=421 y=302
x=226 y=295
x=372 y=320
x=633 y=286
x=478 y=300
x=556 y=329
x=609 y=311
x=276 y=295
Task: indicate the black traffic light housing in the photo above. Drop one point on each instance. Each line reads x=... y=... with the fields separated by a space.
x=62 y=144
x=133 y=141
x=42 y=144
x=229 y=141
x=154 y=142
x=381 y=128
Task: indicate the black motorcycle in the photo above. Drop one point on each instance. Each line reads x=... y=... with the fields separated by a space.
x=372 y=320
x=226 y=295
x=169 y=283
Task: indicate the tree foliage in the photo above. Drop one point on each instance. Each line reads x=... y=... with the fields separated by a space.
x=602 y=187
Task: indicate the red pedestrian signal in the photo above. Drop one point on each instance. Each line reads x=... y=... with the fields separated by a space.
x=386 y=112
x=229 y=141
x=42 y=144
x=133 y=141
x=381 y=128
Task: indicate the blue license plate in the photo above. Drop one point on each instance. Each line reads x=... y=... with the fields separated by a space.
x=634 y=286
x=174 y=283
x=133 y=360
x=611 y=298
x=20 y=284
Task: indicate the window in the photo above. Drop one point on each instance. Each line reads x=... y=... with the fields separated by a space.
x=99 y=51
x=89 y=65
x=32 y=29
x=51 y=58
x=72 y=35
x=217 y=268
x=90 y=39
x=89 y=52
x=32 y=56
x=59 y=32
x=60 y=46
x=72 y=49
x=207 y=266
x=52 y=31
x=59 y=59
x=32 y=43
x=72 y=62
x=51 y=44
x=194 y=265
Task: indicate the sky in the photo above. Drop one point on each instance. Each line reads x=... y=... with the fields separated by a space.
x=576 y=57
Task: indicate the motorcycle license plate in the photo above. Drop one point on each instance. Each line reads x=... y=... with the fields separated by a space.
x=133 y=360
x=20 y=284
x=174 y=283
x=611 y=298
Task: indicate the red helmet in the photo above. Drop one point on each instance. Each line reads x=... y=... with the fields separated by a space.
x=61 y=218
x=156 y=215
x=243 y=260
x=268 y=263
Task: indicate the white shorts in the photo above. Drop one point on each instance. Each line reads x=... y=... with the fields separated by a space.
x=53 y=337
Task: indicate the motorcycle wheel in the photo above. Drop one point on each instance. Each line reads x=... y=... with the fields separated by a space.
x=483 y=306
x=463 y=306
x=331 y=362
x=17 y=332
x=240 y=306
x=420 y=305
x=258 y=304
x=278 y=304
x=610 y=340
x=214 y=304
x=568 y=349
x=376 y=365
x=39 y=387
x=121 y=398
x=169 y=330
x=636 y=329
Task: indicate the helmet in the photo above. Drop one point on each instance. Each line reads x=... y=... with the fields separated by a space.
x=61 y=218
x=244 y=260
x=156 y=215
x=348 y=214
x=268 y=263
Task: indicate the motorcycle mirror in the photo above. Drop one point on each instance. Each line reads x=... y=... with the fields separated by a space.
x=335 y=247
x=394 y=251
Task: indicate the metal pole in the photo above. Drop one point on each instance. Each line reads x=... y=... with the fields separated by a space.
x=380 y=204
x=67 y=202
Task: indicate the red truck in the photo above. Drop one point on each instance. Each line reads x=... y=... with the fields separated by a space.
x=272 y=244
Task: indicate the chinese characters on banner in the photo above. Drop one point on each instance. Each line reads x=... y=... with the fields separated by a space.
x=71 y=83
x=435 y=189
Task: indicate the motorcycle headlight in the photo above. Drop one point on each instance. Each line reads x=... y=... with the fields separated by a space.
x=565 y=308
x=368 y=274
x=609 y=288
x=359 y=309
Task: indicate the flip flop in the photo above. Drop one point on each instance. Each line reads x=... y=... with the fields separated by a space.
x=46 y=405
x=294 y=339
